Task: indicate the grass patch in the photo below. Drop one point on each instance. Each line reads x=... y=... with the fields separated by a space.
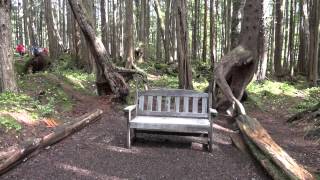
x=294 y=97
x=9 y=123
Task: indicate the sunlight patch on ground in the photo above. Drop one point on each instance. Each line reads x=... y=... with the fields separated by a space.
x=118 y=149
x=86 y=172
x=22 y=117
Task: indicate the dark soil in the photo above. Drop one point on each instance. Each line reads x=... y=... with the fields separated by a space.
x=98 y=152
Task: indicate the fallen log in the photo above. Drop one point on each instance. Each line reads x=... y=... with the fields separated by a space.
x=301 y=114
x=39 y=143
x=252 y=129
x=273 y=170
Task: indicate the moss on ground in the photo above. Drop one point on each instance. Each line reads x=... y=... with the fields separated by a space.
x=294 y=97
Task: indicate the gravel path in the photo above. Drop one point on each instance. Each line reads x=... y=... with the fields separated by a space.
x=98 y=152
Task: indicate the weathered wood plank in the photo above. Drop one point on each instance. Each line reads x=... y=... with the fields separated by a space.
x=177 y=102
x=168 y=103
x=172 y=92
x=195 y=105
x=172 y=114
x=170 y=124
x=185 y=104
x=141 y=103
x=204 y=105
x=159 y=99
x=150 y=101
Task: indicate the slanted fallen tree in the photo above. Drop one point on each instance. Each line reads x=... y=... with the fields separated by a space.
x=232 y=74
x=14 y=157
x=109 y=78
x=276 y=161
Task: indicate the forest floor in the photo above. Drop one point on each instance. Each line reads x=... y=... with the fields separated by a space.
x=98 y=151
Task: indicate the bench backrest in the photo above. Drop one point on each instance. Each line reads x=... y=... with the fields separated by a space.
x=172 y=103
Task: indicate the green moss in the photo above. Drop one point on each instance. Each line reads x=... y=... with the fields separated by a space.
x=9 y=123
x=295 y=97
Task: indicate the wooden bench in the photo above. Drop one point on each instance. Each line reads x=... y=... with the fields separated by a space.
x=172 y=111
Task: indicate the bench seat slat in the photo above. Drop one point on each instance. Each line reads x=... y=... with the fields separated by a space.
x=173 y=114
x=170 y=124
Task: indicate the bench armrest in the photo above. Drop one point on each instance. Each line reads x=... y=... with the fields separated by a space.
x=130 y=108
x=213 y=112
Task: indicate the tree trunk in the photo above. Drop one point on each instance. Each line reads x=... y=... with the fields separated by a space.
x=236 y=69
x=212 y=34
x=7 y=75
x=278 y=40
x=55 y=42
x=128 y=32
x=194 y=45
x=262 y=49
x=235 y=23
x=204 y=45
x=108 y=80
x=290 y=56
x=304 y=38
x=86 y=60
x=167 y=29
x=185 y=74
x=25 y=22
x=162 y=30
x=314 y=43
x=103 y=22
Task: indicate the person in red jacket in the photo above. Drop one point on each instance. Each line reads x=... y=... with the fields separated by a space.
x=21 y=49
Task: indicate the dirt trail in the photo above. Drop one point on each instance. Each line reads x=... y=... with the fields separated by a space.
x=98 y=152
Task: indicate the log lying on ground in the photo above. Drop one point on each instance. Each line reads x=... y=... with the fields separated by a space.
x=301 y=114
x=39 y=143
x=252 y=129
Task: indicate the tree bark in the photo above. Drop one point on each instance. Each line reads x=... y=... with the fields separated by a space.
x=290 y=56
x=108 y=80
x=235 y=23
x=194 y=45
x=212 y=35
x=204 y=45
x=236 y=69
x=25 y=22
x=304 y=38
x=185 y=74
x=128 y=34
x=313 y=58
x=55 y=42
x=162 y=30
x=7 y=75
x=278 y=40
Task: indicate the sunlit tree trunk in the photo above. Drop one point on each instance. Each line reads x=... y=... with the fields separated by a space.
x=185 y=74
x=128 y=34
x=7 y=75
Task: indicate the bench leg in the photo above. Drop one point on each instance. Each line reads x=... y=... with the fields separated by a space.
x=210 y=140
x=128 y=138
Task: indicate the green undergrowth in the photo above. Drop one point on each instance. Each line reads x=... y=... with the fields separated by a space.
x=290 y=97
x=65 y=69
x=41 y=94
x=9 y=123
